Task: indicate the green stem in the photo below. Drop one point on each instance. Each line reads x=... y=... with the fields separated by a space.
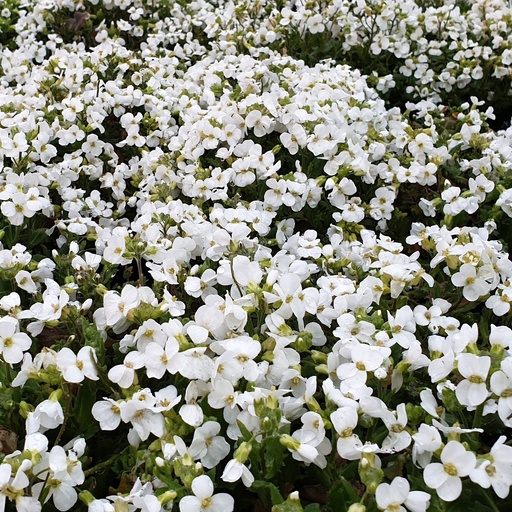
x=478 y=416
x=101 y=465
x=233 y=274
x=364 y=497
x=493 y=506
x=45 y=490
x=69 y=398
x=140 y=281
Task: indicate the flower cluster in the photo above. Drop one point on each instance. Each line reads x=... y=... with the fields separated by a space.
x=434 y=49
x=233 y=279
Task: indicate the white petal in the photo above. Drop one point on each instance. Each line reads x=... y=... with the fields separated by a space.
x=451 y=489
x=434 y=475
x=202 y=487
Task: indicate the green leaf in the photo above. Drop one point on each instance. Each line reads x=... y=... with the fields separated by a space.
x=36 y=237
x=274 y=456
x=246 y=435
x=342 y=495
x=92 y=338
x=473 y=497
x=169 y=481
x=292 y=504
x=85 y=399
x=269 y=494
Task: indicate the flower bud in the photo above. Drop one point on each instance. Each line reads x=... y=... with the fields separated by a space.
x=322 y=369
x=371 y=476
x=167 y=497
x=319 y=357
x=25 y=409
x=303 y=342
x=266 y=424
x=289 y=442
x=357 y=507
x=86 y=497
x=242 y=452
x=101 y=290
x=56 y=395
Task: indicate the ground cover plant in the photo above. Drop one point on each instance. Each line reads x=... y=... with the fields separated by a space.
x=254 y=255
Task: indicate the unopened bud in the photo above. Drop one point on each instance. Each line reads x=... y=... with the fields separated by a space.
x=86 y=497
x=319 y=357
x=25 y=409
x=55 y=395
x=289 y=442
x=357 y=507
x=101 y=290
x=242 y=452
x=167 y=497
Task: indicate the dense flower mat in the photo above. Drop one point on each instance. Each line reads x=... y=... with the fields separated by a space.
x=254 y=255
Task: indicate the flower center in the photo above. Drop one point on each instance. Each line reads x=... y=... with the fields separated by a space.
x=450 y=469
x=11 y=492
x=346 y=433
x=490 y=470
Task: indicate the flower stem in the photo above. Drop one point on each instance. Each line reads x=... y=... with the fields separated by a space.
x=478 y=416
x=101 y=465
x=69 y=397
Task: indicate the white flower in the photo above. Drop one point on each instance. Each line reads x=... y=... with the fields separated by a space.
x=495 y=471
x=158 y=358
x=25 y=281
x=144 y=420
x=445 y=477
x=124 y=374
x=426 y=441
x=207 y=446
x=501 y=386
x=235 y=470
x=472 y=390
x=14 y=489
x=108 y=413
x=204 y=500
x=12 y=343
x=238 y=359
x=391 y=497
x=17 y=208
x=500 y=335
x=345 y=420
x=365 y=358
x=398 y=438
x=116 y=307
x=53 y=468
x=75 y=367
x=46 y=416
x=202 y=286
x=473 y=285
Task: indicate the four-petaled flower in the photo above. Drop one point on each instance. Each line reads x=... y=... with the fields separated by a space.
x=445 y=476
x=204 y=500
